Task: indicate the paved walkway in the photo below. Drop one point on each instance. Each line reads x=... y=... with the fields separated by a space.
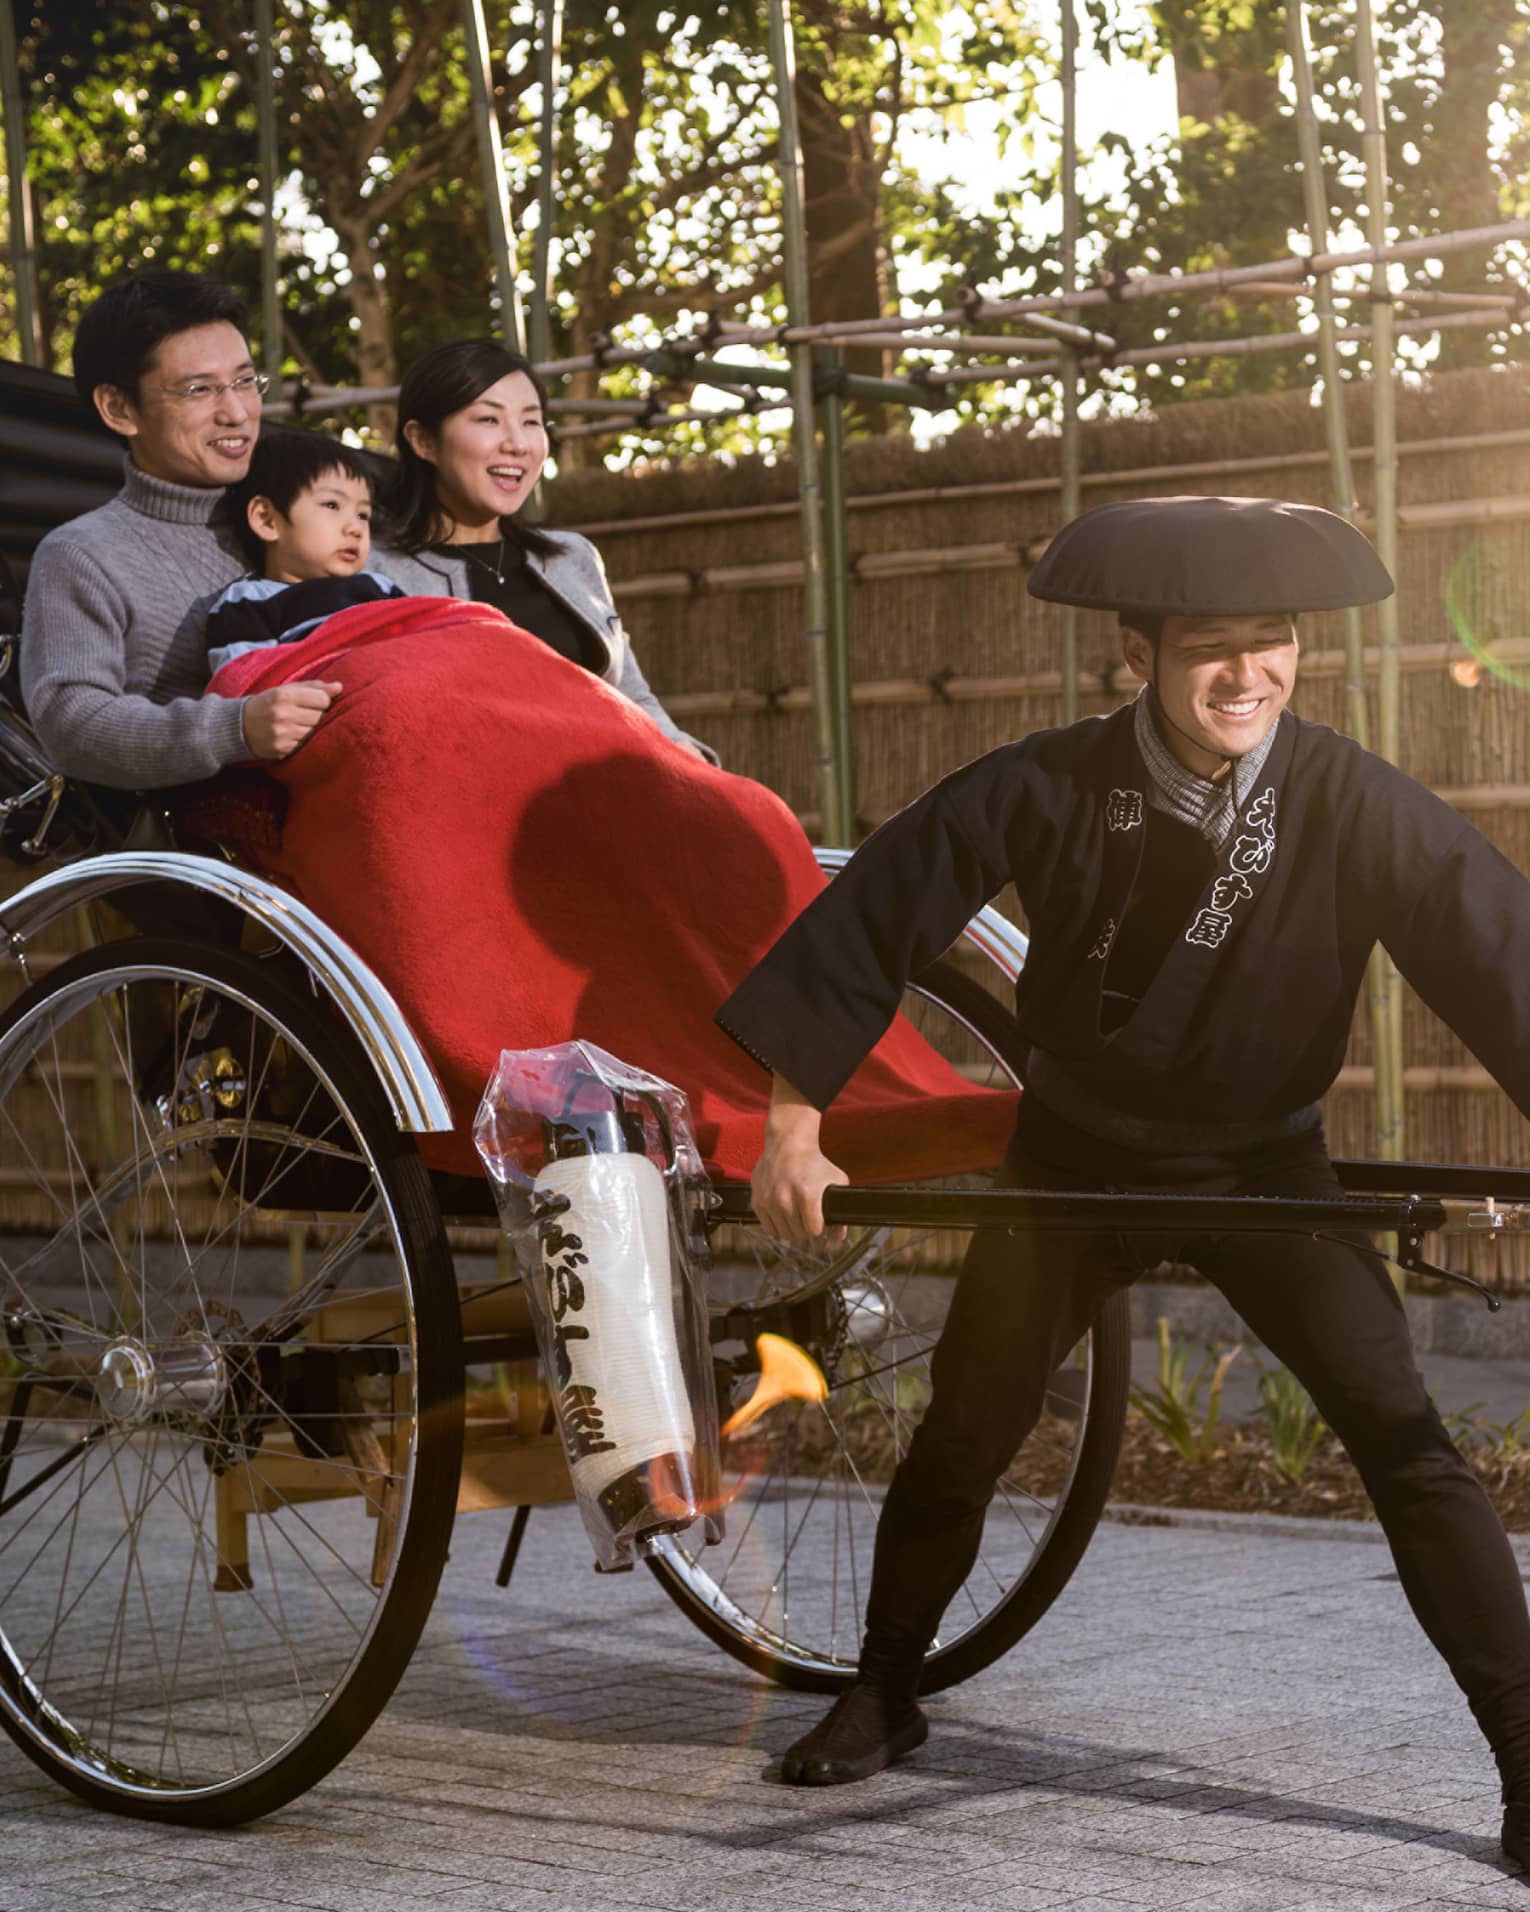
x=1234 y=1719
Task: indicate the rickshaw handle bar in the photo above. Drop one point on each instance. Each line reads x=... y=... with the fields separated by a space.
x=1051 y=1209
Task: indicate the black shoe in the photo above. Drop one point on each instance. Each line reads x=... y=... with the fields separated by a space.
x=866 y=1729
x=1515 y=1837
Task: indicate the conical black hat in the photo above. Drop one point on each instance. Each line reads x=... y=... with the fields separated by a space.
x=1183 y=556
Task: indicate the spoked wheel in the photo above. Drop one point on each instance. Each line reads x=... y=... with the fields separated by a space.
x=786 y=1591
x=230 y=1385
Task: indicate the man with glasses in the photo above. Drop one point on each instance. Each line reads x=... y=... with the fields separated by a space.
x=113 y=650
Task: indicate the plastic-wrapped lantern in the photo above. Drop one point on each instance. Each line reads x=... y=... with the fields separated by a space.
x=619 y=1382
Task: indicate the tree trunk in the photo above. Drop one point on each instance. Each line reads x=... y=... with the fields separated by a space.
x=847 y=261
x=1220 y=69
x=1457 y=171
x=376 y=360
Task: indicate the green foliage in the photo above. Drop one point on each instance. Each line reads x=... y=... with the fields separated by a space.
x=1296 y=1429
x=141 y=122
x=1511 y=1438
x=1174 y=1407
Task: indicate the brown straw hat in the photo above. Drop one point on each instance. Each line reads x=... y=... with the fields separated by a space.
x=1183 y=556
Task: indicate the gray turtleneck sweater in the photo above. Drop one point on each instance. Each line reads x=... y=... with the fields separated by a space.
x=114 y=647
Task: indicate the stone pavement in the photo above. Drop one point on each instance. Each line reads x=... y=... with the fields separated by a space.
x=1229 y=1717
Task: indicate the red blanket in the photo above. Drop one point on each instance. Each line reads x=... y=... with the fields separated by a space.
x=523 y=858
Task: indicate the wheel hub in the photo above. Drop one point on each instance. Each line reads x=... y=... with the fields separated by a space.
x=177 y=1382
x=868 y=1310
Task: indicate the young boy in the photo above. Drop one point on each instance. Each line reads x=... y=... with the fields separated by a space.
x=304 y=513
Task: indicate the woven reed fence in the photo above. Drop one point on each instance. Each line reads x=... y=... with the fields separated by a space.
x=950 y=657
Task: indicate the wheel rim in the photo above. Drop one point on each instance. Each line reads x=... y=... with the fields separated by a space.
x=206 y=1454
x=789 y=1582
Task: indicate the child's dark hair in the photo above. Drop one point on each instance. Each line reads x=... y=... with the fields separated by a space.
x=284 y=465
x=120 y=330
x=446 y=379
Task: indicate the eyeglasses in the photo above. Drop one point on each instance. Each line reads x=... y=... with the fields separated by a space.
x=200 y=390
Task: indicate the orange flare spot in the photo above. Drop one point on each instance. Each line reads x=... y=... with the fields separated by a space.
x=1467 y=672
x=787 y=1373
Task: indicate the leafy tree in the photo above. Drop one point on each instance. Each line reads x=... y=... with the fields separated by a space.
x=142 y=127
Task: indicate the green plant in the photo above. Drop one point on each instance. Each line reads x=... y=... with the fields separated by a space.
x=1296 y=1428
x=1465 y=1425
x=1173 y=1408
x=1509 y=1438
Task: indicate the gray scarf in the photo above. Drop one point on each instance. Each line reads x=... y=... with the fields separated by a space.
x=1211 y=808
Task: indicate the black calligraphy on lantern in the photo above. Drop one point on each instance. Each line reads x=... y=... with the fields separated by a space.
x=578 y=1407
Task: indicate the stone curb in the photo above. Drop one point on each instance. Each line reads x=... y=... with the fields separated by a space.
x=1282 y=1526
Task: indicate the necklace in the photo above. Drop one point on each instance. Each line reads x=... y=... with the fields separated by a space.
x=498 y=568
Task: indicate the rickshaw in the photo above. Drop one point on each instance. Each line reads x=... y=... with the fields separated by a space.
x=255 y=1358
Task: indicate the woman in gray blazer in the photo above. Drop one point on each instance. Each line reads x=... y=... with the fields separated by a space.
x=472 y=440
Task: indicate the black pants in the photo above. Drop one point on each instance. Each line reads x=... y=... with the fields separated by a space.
x=1327 y=1310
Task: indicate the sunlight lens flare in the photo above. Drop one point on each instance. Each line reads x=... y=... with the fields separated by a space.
x=1478 y=601
x=787 y=1373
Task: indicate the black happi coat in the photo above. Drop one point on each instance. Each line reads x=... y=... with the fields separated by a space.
x=1249 y=1012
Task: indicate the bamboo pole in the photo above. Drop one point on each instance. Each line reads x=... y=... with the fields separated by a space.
x=705 y=371
x=836 y=826
x=1388 y=1063
x=870 y=331
x=23 y=254
x=1384 y=504
x=907 y=342
x=1341 y=469
x=1068 y=369
x=265 y=103
x=1149 y=285
x=916 y=391
x=549 y=52
x=653 y=422
x=836 y=525
x=491 y=168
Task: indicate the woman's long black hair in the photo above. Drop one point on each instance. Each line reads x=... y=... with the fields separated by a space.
x=448 y=379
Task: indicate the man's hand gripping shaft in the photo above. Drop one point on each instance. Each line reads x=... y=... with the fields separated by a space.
x=277 y=721
x=792 y=1173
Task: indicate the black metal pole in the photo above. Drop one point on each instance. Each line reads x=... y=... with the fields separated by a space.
x=1052 y=1209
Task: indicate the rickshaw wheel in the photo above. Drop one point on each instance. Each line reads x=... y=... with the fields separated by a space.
x=230 y=1385
x=785 y=1591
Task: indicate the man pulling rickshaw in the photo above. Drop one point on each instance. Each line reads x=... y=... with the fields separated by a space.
x=1205 y=875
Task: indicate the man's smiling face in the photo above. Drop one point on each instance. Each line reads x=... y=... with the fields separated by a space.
x=180 y=427
x=1222 y=679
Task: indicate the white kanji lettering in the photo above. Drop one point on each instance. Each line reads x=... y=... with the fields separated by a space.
x=1103 y=941
x=1251 y=855
x=1209 y=928
x=1123 y=809
x=1260 y=814
x=1228 y=890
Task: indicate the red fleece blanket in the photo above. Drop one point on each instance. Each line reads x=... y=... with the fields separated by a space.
x=523 y=858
